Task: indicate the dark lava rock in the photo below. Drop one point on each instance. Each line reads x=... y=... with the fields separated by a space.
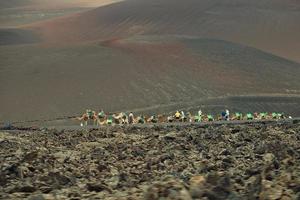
x=245 y=161
x=252 y=171
x=3 y=180
x=225 y=152
x=27 y=188
x=260 y=148
x=30 y=156
x=37 y=197
x=97 y=187
x=167 y=189
x=45 y=189
x=61 y=179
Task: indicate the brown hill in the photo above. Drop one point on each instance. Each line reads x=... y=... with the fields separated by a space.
x=19 y=12
x=269 y=25
x=143 y=74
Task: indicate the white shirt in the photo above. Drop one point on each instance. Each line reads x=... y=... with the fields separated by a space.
x=199 y=113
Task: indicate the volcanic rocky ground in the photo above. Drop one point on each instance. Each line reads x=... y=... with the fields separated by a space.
x=212 y=161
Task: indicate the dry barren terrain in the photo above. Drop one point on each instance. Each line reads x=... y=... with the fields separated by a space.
x=229 y=161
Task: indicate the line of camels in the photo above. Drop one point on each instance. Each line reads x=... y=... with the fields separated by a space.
x=101 y=118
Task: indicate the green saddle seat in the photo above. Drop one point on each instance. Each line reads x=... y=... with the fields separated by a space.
x=90 y=114
x=210 y=118
x=250 y=116
x=198 y=118
x=109 y=120
x=101 y=115
x=263 y=115
x=238 y=115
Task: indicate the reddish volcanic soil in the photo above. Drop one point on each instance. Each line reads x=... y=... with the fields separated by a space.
x=53 y=5
x=148 y=74
x=269 y=25
x=15 y=13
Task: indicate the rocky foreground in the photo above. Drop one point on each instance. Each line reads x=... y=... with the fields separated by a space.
x=242 y=161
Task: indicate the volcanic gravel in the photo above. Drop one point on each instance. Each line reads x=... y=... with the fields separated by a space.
x=243 y=161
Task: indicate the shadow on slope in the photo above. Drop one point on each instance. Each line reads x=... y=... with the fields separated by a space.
x=13 y=3
x=17 y=36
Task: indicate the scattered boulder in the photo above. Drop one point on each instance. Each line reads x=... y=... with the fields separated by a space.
x=25 y=187
x=97 y=187
x=167 y=189
x=37 y=197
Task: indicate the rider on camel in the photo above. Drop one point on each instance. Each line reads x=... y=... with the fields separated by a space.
x=101 y=114
x=177 y=115
x=183 y=117
x=210 y=118
x=227 y=115
x=130 y=118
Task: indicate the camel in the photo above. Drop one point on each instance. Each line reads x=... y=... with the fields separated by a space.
x=131 y=119
x=101 y=118
x=86 y=117
x=237 y=116
x=189 y=117
x=196 y=118
x=109 y=120
x=152 y=119
x=181 y=117
x=177 y=116
x=277 y=116
x=208 y=118
x=262 y=115
x=249 y=116
x=140 y=120
x=162 y=118
x=219 y=118
x=135 y=120
x=184 y=118
x=170 y=119
x=120 y=118
x=281 y=116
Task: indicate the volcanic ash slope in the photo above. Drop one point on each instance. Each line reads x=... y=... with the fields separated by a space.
x=138 y=73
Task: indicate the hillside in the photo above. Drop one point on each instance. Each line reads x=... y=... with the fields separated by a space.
x=269 y=25
x=146 y=74
x=15 y=13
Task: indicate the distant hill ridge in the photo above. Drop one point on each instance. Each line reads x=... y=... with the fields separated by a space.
x=269 y=25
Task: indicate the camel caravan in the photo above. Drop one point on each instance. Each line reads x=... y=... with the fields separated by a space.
x=101 y=118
